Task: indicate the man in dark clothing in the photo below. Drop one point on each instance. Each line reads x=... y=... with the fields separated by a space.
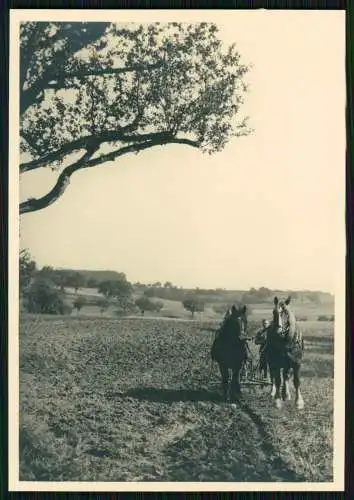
x=261 y=340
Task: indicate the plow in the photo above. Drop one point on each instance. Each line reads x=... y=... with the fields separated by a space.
x=251 y=373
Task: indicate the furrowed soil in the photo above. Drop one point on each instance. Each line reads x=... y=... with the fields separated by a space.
x=106 y=399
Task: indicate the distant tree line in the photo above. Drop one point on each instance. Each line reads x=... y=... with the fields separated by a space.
x=45 y=291
x=221 y=298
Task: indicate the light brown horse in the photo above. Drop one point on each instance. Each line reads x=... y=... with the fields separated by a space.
x=285 y=348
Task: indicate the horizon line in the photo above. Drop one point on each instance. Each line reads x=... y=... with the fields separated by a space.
x=185 y=287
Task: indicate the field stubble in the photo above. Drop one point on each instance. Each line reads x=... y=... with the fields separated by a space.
x=136 y=400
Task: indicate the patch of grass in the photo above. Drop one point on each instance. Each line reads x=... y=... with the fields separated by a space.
x=105 y=399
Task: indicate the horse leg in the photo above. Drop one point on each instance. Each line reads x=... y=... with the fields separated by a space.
x=261 y=365
x=298 y=396
x=272 y=379
x=286 y=389
x=235 y=383
x=265 y=369
x=245 y=370
x=277 y=379
x=264 y=365
x=224 y=372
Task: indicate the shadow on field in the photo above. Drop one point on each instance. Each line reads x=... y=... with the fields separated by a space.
x=276 y=465
x=248 y=457
x=171 y=395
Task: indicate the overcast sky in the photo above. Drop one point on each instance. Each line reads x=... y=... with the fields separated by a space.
x=267 y=211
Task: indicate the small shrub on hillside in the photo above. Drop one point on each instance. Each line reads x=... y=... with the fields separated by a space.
x=124 y=312
x=43 y=298
x=66 y=308
x=79 y=303
x=103 y=304
x=145 y=304
x=125 y=307
x=193 y=305
x=158 y=305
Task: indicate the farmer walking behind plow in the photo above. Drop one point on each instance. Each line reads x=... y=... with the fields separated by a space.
x=261 y=340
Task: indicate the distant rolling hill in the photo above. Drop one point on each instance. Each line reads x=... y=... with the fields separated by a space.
x=313 y=298
x=104 y=275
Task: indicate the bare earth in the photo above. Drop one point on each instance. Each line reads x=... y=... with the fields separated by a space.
x=104 y=399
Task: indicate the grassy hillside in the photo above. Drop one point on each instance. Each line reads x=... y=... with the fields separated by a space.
x=212 y=296
x=175 y=309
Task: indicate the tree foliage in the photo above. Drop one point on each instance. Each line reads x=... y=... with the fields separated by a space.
x=92 y=283
x=120 y=289
x=27 y=269
x=103 y=304
x=193 y=305
x=42 y=297
x=92 y=92
x=75 y=280
x=63 y=277
x=145 y=304
x=79 y=303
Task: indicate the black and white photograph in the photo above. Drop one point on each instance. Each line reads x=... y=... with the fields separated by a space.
x=177 y=252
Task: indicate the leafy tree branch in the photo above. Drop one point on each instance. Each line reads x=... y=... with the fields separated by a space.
x=127 y=88
x=32 y=204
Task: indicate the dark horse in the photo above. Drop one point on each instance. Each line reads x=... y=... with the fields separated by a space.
x=229 y=350
x=284 y=352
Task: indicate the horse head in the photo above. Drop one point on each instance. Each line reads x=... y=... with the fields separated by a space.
x=238 y=317
x=282 y=316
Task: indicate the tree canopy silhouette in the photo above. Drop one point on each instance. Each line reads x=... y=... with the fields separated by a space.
x=92 y=92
